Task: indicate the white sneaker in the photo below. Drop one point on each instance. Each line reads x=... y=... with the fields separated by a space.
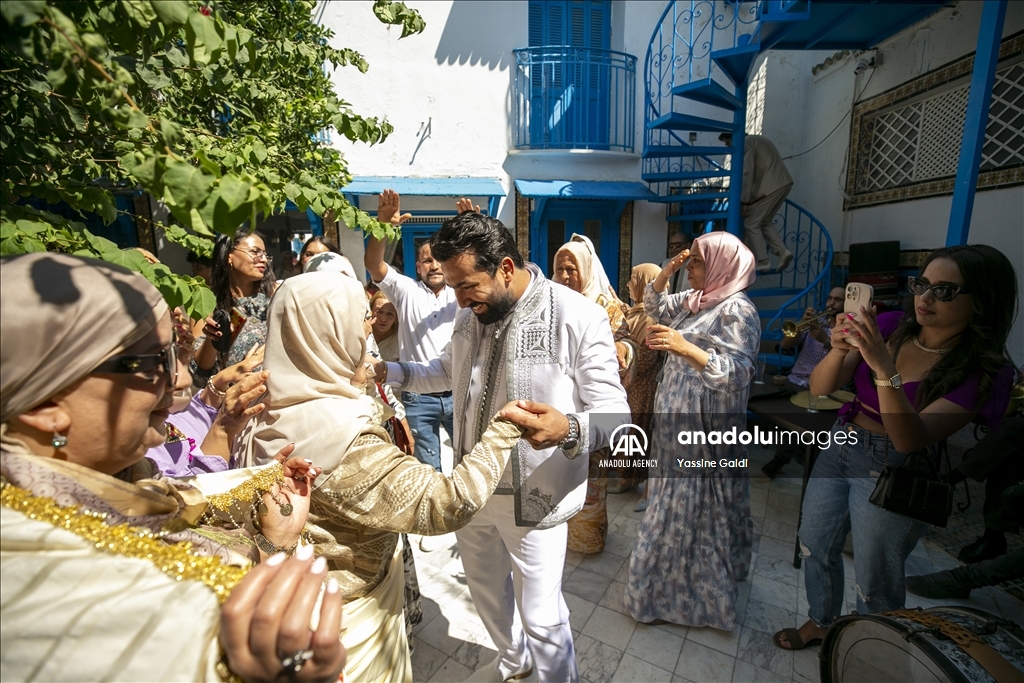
x=784 y=260
x=429 y=544
x=490 y=673
x=763 y=265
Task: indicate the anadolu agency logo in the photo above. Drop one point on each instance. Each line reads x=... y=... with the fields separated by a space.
x=629 y=448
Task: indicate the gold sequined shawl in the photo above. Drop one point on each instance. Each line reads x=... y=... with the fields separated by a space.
x=77 y=609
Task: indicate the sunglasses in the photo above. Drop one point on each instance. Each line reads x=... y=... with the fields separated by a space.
x=147 y=364
x=942 y=291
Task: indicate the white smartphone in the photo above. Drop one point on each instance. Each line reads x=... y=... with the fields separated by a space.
x=858 y=294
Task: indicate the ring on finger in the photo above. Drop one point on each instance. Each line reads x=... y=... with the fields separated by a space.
x=294 y=662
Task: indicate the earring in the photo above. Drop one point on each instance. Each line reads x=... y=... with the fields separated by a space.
x=59 y=440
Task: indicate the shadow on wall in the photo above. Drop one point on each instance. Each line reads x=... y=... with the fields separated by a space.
x=471 y=33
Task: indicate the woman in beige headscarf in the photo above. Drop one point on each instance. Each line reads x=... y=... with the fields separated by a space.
x=643 y=377
x=105 y=575
x=578 y=268
x=371 y=491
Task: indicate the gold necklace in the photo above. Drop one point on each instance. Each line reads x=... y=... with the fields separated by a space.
x=177 y=560
x=925 y=348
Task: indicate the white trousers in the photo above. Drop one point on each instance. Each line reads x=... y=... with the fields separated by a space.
x=758 y=226
x=510 y=568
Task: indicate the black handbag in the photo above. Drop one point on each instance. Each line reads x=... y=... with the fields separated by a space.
x=915 y=489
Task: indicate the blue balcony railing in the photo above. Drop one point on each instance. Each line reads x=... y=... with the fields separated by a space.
x=574 y=98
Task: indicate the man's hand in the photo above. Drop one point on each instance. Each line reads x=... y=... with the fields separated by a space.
x=544 y=427
x=466 y=206
x=388 y=208
x=744 y=211
x=380 y=371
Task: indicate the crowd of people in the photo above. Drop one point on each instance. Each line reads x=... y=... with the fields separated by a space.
x=234 y=497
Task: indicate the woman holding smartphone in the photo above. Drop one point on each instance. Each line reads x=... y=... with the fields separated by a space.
x=920 y=377
x=243 y=281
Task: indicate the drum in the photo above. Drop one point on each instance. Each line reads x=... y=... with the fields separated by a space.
x=913 y=646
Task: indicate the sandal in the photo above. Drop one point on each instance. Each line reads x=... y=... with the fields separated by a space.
x=795 y=641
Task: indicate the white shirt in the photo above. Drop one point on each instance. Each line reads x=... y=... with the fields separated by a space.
x=424 y=319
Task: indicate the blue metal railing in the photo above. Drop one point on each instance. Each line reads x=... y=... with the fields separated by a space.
x=684 y=38
x=808 y=239
x=679 y=53
x=574 y=98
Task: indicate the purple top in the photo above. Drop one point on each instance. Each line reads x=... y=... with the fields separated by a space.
x=965 y=395
x=181 y=455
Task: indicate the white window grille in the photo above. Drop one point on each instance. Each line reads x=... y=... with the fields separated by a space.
x=919 y=140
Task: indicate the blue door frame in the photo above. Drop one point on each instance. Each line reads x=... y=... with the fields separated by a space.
x=575 y=213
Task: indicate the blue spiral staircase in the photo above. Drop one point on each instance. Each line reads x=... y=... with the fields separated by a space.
x=696 y=74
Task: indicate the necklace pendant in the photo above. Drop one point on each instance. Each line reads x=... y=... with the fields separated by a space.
x=263 y=508
x=286 y=509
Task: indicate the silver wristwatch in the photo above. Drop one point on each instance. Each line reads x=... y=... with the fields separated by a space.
x=572 y=439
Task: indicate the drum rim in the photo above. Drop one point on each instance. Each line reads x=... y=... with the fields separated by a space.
x=934 y=653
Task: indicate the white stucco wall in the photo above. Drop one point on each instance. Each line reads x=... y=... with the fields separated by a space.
x=801 y=109
x=448 y=93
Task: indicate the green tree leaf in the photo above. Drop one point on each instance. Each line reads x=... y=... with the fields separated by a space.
x=187 y=185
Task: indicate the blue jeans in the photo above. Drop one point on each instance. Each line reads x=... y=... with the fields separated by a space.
x=426 y=414
x=835 y=502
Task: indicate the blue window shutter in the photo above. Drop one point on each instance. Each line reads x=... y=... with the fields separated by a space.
x=536 y=23
x=600 y=26
x=556 y=23
x=578 y=25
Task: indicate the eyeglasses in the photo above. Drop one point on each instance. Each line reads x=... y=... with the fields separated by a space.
x=942 y=291
x=146 y=364
x=256 y=254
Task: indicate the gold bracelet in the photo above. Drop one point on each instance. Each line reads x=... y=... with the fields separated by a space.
x=213 y=387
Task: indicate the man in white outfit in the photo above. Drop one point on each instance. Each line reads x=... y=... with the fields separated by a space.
x=766 y=184
x=522 y=338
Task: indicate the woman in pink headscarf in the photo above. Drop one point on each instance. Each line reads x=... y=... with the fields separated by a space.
x=695 y=540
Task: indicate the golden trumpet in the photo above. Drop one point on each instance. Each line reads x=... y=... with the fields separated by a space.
x=791 y=329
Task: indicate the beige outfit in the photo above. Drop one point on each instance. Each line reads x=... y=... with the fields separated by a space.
x=369 y=491
x=766 y=184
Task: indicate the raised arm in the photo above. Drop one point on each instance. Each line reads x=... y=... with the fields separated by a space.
x=379 y=487
x=388 y=211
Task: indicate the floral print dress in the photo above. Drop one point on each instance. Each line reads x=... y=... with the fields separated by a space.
x=695 y=540
x=253 y=332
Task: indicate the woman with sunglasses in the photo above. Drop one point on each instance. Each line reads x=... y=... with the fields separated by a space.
x=920 y=377
x=243 y=281
x=108 y=572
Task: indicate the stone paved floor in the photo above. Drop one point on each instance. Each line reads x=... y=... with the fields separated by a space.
x=451 y=642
